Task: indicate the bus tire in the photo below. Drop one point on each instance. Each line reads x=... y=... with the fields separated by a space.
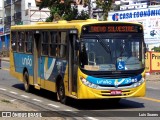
x=61 y=92
x=27 y=86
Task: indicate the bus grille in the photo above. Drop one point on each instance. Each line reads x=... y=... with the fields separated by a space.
x=124 y=93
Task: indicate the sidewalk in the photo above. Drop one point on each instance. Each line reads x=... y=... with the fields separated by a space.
x=153 y=77
x=5 y=59
x=12 y=109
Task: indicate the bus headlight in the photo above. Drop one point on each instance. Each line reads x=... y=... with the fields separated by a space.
x=138 y=83
x=87 y=83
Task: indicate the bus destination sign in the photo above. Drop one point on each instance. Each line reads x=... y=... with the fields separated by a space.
x=112 y=29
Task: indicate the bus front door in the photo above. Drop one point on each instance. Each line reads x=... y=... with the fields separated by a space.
x=72 y=65
x=36 y=54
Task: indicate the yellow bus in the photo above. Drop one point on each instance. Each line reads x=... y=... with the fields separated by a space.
x=81 y=59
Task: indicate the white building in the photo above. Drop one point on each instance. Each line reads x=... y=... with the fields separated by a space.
x=135 y=4
x=23 y=12
x=17 y=12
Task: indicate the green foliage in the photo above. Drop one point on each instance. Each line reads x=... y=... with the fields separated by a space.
x=105 y=5
x=83 y=15
x=64 y=10
x=74 y=15
x=156 y=49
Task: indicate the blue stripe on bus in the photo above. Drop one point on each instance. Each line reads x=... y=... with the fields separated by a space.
x=112 y=82
x=44 y=71
x=23 y=60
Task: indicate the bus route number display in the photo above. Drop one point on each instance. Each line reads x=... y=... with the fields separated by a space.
x=112 y=29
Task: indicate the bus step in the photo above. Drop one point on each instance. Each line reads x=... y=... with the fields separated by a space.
x=37 y=86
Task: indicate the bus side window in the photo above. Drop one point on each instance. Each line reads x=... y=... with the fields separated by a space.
x=58 y=40
x=21 y=39
x=28 y=42
x=45 y=46
x=53 y=46
x=58 y=44
x=14 y=41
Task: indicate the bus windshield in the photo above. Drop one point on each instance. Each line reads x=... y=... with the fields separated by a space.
x=111 y=54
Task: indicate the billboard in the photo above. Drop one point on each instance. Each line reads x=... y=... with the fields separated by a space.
x=149 y=17
x=152 y=62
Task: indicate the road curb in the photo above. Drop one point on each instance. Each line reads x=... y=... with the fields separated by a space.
x=5 y=60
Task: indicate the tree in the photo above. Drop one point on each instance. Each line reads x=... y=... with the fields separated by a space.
x=60 y=9
x=63 y=9
x=156 y=49
x=105 y=5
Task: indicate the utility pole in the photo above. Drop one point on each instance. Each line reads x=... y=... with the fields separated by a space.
x=90 y=8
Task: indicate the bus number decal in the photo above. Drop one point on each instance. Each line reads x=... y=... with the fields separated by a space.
x=27 y=61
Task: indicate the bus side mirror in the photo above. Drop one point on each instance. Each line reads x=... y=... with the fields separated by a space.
x=77 y=44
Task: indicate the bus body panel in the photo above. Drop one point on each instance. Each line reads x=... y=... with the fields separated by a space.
x=17 y=65
x=49 y=68
x=85 y=92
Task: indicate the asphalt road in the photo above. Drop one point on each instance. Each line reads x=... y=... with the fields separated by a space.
x=130 y=108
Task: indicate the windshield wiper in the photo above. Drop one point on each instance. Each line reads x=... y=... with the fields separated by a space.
x=106 y=47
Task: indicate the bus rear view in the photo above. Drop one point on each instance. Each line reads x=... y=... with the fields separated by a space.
x=111 y=61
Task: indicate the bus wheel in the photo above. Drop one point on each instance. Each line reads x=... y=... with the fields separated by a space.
x=61 y=92
x=26 y=81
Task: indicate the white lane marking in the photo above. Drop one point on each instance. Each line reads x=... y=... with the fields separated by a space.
x=24 y=96
x=53 y=105
x=153 y=88
x=92 y=118
x=3 y=89
x=70 y=110
x=37 y=100
x=13 y=92
x=13 y=100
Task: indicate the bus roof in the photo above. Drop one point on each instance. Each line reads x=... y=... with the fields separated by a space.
x=62 y=24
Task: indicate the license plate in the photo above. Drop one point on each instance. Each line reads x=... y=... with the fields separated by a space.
x=116 y=92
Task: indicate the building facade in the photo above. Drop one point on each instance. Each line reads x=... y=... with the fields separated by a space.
x=18 y=12
x=135 y=4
